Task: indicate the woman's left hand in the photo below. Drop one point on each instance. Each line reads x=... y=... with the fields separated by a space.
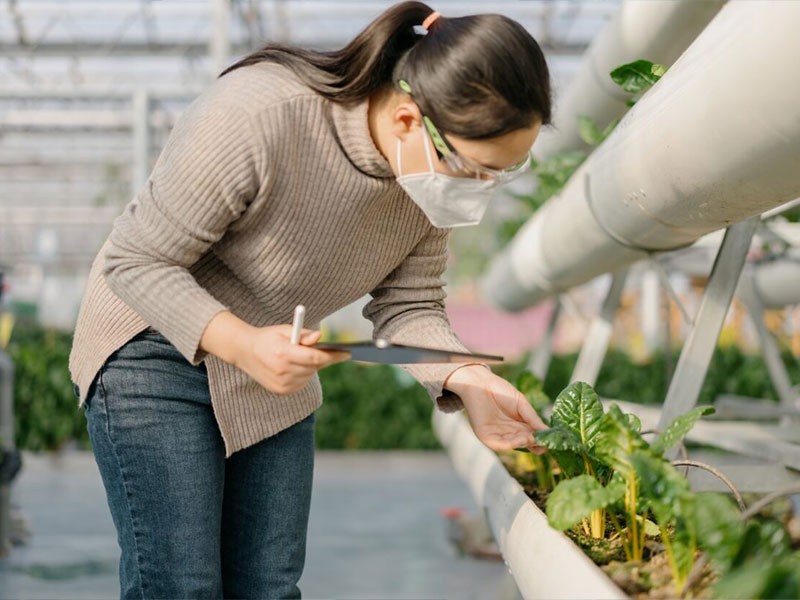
x=500 y=415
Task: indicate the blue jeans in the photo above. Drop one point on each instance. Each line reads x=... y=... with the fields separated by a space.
x=191 y=523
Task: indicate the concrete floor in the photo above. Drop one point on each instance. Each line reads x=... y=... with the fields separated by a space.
x=375 y=532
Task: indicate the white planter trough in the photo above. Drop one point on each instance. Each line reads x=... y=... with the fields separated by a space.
x=544 y=562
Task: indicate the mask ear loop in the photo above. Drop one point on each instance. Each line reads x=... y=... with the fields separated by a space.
x=425 y=138
x=399 y=161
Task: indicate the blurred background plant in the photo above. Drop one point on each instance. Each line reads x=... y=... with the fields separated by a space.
x=366 y=406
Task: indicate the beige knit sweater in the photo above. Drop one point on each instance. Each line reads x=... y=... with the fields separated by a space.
x=265 y=196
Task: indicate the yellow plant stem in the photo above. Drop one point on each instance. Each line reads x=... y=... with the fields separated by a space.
x=598 y=523
x=597 y=520
x=637 y=546
x=673 y=565
x=586 y=529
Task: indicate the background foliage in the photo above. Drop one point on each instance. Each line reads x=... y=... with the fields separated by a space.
x=366 y=407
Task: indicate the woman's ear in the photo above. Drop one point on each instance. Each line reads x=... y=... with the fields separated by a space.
x=406 y=119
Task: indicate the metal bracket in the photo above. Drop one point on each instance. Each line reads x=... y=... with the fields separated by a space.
x=595 y=347
x=539 y=362
x=698 y=350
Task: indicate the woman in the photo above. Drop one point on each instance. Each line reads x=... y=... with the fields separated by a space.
x=298 y=178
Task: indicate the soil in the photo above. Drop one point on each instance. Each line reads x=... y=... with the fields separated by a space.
x=652 y=580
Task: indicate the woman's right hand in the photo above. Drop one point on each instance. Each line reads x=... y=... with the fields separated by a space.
x=266 y=353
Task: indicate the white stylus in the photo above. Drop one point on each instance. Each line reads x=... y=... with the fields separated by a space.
x=297 y=323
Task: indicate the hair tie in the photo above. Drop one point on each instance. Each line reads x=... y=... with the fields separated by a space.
x=430 y=20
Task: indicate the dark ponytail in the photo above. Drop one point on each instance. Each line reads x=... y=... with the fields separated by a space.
x=363 y=66
x=476 y=77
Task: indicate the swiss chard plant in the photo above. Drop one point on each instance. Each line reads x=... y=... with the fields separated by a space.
x=542 y=467
x=573 y=435
x=752 y=554
x=614 y=474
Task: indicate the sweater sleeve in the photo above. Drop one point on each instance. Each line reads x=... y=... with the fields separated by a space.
x=408 y=308
x=207 y=174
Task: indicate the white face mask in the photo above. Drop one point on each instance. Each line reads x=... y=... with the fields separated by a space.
x=446 y=201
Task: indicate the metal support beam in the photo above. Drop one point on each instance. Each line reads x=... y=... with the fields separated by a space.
x=594 y=348
x=684 y=388
x=539 y=363
x=141 y=140
x=219 y=46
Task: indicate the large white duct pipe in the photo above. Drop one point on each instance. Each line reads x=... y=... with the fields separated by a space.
x=715 y=141
x=776 y=283
x=657 y=30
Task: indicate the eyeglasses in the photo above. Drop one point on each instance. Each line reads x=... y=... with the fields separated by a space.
x=459 y=164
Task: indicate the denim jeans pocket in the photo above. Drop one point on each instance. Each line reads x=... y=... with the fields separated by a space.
x=94 y=388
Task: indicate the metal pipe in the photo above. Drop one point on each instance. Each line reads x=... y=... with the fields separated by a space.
x=657 y=30
x=595 y=346
x=140 y=118
x=219 y=45
x=714 y=142
x=684 y=388
x=776 y=283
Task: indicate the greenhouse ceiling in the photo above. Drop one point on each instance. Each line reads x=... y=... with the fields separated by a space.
x=90 y=89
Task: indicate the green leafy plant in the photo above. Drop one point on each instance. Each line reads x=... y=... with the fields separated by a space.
x=373 y=407
x=637 y=77
x=542 y=467
x=591 y=133
x=753 y=554
x=666 y=493
x=703 y=537
x=574 y=432
x=46 y=410
x=365 y=407
x=609 y=462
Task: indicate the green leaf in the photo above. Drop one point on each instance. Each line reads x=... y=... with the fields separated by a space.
x=637 y=76
x=762 y=580
x=565 y=448
x=650 y=528
x=683 y=548
x=591 y=133
x=678 y=429
x=763 y=541
x=617 y=441
x=554 y=172
x=658 y=70
x=571 y=463
x=634 y=422
x=720 y=528
x=533 y=389
x=661 y=485
x=578 y=408
x=575 y=499
x=559 y=438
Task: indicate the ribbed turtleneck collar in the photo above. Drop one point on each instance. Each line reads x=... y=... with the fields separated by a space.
x=352 y=128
